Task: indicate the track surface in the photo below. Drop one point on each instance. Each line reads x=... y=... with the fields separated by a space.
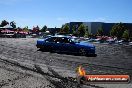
x=22 y=65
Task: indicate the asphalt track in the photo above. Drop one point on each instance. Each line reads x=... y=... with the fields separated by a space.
x=22 y=65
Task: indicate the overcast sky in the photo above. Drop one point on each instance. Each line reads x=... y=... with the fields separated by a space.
x=54 y=13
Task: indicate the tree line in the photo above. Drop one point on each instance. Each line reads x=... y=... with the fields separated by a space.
x=80 y=31
x=13 y=25
x=118 y=30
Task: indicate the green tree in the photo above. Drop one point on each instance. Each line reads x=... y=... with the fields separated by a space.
x=13 y=24
x=125 y=35
x=74 y=30
x=61 y=29
x=65 y=29
x=86 y=32
x=117 y=30
x=44 y=28
x=4 y=23
x=100 y=31
x=113 y=31
x=25 y=29
x=81 y=30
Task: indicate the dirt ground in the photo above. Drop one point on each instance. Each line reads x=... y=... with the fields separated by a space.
x=22 y=65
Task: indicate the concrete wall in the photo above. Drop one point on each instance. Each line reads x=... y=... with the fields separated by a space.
x=88 y=24
x=94 y=26
x=107 y=28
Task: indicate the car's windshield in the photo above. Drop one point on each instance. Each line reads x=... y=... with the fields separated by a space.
x=76 y=40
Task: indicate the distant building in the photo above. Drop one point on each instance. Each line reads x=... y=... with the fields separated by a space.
x=74 y=24
x=108 y=26
x=94 y=26
x=6 y=27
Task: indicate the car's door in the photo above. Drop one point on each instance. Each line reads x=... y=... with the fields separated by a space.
x=49 y=43
x=54 y=43
x=68 y=45
x=57 y=44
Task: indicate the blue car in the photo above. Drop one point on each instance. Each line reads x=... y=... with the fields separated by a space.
x=65 y=44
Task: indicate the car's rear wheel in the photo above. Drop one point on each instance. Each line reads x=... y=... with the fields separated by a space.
x=82 y=52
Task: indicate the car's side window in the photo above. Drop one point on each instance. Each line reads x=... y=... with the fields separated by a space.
x=65 y=40
x=57 y=40
x=50 y=40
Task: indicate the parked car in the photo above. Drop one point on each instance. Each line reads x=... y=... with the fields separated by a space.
x=93 y=40
x=130 y=43
x=65 y=44
x=121 y=42
x=110 y=41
